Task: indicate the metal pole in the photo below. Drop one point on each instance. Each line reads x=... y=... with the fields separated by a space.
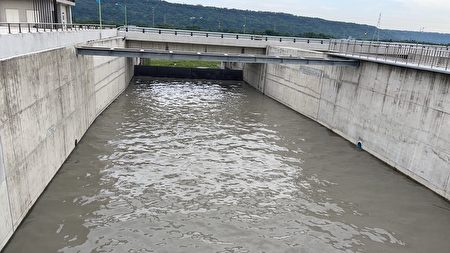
x=100 y=13
x=421 y=55
x=448 y=61
x=126 y=15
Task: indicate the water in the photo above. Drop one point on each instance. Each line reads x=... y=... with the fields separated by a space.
x=180 y=166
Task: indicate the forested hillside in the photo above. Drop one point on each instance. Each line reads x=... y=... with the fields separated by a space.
x=232 y=20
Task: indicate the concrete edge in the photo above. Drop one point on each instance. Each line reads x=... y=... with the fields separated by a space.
x=393 y=63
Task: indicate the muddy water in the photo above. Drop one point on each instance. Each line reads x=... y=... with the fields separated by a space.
x=178 y=166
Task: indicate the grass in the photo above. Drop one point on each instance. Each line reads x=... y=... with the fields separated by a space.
x=182 y=64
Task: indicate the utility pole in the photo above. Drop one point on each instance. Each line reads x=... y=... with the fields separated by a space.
x=422 y=30
x=220 y=26
x=245 y=23
x=100 y=13
x=192 y=22
x=126 y=14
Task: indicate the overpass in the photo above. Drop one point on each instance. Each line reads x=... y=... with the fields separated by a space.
x=172 y=44
x=158 y=43
x=169 y=39
x=220 y=57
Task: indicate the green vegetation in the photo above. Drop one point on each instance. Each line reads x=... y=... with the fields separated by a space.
x=197 y=17
x=182 y=64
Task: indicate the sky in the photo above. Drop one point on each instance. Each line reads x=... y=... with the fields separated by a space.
x=412 y=15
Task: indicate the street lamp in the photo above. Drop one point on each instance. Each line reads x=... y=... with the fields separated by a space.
x=125 y=8
x=193 y=19
x=100 y=13
x=192 y=22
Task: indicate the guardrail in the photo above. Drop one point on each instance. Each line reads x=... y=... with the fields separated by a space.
x=15 y=28
x=237 y=36
x=431 y=56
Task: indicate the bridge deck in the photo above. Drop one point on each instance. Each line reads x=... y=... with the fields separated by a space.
x=178 y=55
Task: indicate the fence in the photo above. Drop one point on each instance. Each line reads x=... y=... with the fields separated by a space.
x=237 y=36
x=432 y=56
x=15 y=28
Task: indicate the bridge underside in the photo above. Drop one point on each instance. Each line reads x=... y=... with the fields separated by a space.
x=220 y=57
x=197 y=47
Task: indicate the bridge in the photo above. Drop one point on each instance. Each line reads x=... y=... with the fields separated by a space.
x=219 y=57
x=157 y=43
x=211 y=46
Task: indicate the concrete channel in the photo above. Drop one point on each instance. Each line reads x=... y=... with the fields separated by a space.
x=287 y=182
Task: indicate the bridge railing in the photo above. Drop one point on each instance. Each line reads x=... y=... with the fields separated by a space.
x=236 y=36
x=16 y=28
x=431 y=56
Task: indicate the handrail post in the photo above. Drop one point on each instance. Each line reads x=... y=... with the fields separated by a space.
x=448 y=60
x=421 y=55
x=354 y=48
x=20 y=28
x=434 y=58
x=407 y=54
x=368 y=50
x=397 y=55
x=9 y=28
x=377 y=52
x=386 y=56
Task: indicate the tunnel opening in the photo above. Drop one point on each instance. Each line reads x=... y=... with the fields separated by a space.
x=187 y=69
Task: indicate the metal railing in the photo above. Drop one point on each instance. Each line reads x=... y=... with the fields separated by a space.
x=237 y=36
x=15 y=28
x=430 y=56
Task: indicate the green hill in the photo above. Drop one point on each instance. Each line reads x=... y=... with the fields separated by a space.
x=172 y=15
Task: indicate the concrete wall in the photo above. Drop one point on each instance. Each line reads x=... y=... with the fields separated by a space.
x=48 y=100
x=13 y=45
x=195 y=47
x=401 y=115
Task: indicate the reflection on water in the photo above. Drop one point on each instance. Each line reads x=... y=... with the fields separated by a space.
x=178 y=166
